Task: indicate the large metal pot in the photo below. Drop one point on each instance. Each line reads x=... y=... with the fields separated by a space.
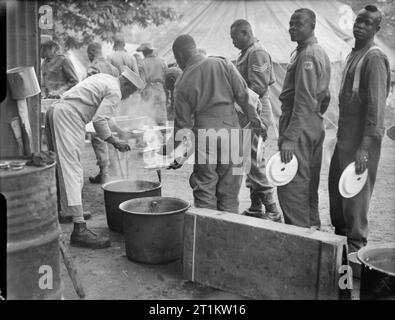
x=378 y=271
x=118 y=191
x=153 y=228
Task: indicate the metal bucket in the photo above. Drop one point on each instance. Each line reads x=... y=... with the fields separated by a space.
x=118 y=191
x=33 y=266
x=378 y=272
x=153 y=229
x=23 y=82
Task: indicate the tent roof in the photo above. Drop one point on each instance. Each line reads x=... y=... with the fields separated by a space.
x=209 y=23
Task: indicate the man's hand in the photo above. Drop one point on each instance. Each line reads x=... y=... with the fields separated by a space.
x=121 y=146
x=361 y=161
x=287 y=150
x=262 y=131
x=176 y=164
x=53 y=95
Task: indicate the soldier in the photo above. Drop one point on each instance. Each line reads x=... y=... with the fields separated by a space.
x=361 y=127
x=255 y=65
x=205 y=102
x=99 y=65
x=93 y=99
x=152 y=71
x=58 y=73
x=120 y=58
x=305 y=97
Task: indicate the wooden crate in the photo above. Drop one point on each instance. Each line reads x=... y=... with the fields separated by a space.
x=261 y=259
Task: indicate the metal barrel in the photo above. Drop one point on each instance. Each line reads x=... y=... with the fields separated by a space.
x=33 y=265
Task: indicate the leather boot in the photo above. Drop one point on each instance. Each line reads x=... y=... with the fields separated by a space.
x=256 y=207
x=101 y=178
x=272 y=212
x=83 y=237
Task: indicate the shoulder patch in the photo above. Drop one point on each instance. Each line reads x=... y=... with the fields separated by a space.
x=260 y=68
x=308 y=65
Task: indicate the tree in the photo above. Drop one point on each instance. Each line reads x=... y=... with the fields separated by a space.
x=78 y=22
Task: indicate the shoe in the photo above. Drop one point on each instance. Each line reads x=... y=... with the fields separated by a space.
x=253 y=213
x=69 y=219
x=272 y=213
x=98 y=179
x=83 y=237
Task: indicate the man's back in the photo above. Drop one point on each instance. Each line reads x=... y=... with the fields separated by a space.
x=153 y=69
x=119 y=59
x=206 y=85
x=100 y=65
x=58 y=74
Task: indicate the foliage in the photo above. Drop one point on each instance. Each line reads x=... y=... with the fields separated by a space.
x=78 y=22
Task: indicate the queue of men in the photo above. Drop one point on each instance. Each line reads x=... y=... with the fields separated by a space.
x=203 y=92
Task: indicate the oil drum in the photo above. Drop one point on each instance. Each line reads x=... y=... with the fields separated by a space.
x=33 y=265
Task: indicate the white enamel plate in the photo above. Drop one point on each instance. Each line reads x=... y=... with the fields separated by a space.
x=279 y=173
x=350 y=183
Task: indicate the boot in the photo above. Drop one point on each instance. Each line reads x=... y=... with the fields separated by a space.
x=272 y=213
x=256 y=207
x=83 y=237
x=102 y=176
x=69 y=219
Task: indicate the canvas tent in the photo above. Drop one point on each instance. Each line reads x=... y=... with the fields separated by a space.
x=209 y=23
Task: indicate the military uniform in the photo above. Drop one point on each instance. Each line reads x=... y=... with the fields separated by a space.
x=93 y=99
x=122 y=58
x=205 y=94
x=255 y=65
x=361 y=113
x=100 y=65
x=305 y=90
x=58 y=75
x=153 y=70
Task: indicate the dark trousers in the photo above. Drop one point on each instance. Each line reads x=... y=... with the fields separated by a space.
x=349 y=216
x=299 y=198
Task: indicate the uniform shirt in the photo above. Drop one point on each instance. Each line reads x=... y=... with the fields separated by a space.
x=363 y=114
x=152 y=69
x=58 y=75
x=255 y=66
x=100 y=65
x=95 y=99
x=207 y=85
x=119 y=59
x=305 y=87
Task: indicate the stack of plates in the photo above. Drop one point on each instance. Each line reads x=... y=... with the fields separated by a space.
x=350 y=183
x=279 y=173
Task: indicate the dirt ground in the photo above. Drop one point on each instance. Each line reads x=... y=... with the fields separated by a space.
x=108 y=274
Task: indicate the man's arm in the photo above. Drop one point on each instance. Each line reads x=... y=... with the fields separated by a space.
x=70 y=73
x=259 y=71
x=305 y=102
x=376 y=73
x=242 y=98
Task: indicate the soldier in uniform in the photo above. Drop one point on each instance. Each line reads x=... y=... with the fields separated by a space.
x=99 y=65
x=58 y=73
x=304 y=98
x=205 y=94
x=153 y=70
x=361 y=127
x=255 y=66
x=120 y=58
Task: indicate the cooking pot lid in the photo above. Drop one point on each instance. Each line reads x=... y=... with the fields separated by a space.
x=280 y=173
x=350 y=183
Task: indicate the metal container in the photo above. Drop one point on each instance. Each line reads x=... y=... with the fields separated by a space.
x=33 y=267
x=153 y=228
x=377 y=272
x=118 y=191
x=23 y=82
